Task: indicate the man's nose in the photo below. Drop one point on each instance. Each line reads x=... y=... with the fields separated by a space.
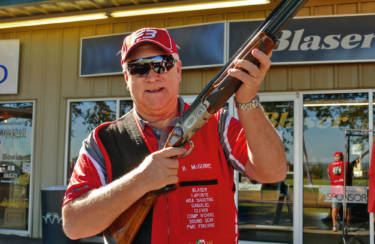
x=152 y=75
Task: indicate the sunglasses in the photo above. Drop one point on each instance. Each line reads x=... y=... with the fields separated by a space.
x=159 y=64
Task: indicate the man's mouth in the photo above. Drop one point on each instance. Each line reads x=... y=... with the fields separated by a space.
x=155 y=90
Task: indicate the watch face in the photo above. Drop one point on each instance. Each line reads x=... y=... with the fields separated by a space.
x=248 y=106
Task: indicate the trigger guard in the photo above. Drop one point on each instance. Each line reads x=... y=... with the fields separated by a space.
x=190 y=149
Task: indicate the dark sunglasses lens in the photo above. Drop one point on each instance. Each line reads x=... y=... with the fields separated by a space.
x=169 y=62
x=158 y=67
x=159 y=64
x=139 y=69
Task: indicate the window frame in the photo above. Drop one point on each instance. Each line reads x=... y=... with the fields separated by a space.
x=31 y=183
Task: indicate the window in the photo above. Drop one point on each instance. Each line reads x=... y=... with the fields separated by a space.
x=16 y=133
x=265 y=211
x=84 y=116
x=335 y=122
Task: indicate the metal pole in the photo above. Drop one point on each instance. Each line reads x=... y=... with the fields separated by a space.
x=346 y=160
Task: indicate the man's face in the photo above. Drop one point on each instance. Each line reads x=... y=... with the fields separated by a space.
x=337 y=157
x=153 y=93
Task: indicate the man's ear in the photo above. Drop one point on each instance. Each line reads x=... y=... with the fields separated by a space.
x=126 y=79
x=179 y=69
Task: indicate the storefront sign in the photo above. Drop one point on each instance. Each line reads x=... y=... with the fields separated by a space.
x=317 y=40
x=354 y=194
x=9 y=59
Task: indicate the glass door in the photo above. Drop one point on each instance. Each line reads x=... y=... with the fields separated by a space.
x=16 y=153
x=336 y=162
x=266 y=210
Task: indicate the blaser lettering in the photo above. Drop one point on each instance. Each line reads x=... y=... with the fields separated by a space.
x=296 y=40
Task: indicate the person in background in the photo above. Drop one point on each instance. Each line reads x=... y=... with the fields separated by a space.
x=336 y=174
x=105 y=182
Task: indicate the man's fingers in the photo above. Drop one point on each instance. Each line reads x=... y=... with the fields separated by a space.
x=172 y=163
x=172 y=179
x=171 y=152
x=264 y=59
x=172 y=172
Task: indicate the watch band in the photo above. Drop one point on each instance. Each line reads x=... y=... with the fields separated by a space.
x=255 y=103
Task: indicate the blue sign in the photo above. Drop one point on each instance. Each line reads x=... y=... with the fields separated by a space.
x=5 y=76
x=198 y=46
x=317 y=40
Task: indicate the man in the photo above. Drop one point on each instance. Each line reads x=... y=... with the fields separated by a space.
x=201 y=208
x=336 y=174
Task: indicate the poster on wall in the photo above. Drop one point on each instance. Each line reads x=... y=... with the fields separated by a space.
x=15 y=164
x=9 y=59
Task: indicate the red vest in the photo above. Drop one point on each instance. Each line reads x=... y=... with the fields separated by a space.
x=336 y=173
x=202 y=208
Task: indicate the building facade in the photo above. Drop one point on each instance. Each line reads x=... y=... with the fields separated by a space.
x=318 y=94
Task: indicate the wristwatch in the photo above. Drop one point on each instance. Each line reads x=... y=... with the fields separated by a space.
x=255 y=103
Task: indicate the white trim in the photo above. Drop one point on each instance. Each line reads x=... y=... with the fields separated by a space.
x=226 y=142
x=31 y=183
x=16 y=232
x=96 y=165
x=226 y=42
x=67 y=130
x=371 y=220
x=298 y=171
x=118 y=106
x=335 y=91
x=370 y=140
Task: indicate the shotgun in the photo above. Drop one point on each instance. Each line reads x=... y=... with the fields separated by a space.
x=210 y=100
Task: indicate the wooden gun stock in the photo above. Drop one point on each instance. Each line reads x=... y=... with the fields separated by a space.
x=124 y=229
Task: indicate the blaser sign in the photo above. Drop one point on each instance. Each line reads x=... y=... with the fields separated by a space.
x=296 y=40
x=340 y=39
x=9 y=59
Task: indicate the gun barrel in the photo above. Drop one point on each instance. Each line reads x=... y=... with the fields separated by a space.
x=214 y=98
x=285 y=15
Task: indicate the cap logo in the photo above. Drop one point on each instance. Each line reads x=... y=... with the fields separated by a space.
x=146 y=34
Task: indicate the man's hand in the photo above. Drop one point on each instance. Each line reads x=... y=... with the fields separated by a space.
x=253 y=78
x=161 y=168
